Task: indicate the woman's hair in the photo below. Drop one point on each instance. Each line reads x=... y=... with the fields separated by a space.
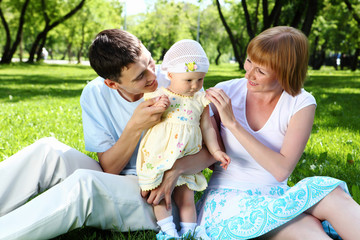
x=284 y=50
x=111 y=51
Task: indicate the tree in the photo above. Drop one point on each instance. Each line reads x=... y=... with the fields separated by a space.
x=162 y=26
x=40 y=39
x=9 y=49
x=212 y=36
x=71 y=38
x=299 y=14
x=357 y=19
x=232 y=38
x=335 y=32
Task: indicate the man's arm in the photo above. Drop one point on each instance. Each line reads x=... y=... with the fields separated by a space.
x=117 y=157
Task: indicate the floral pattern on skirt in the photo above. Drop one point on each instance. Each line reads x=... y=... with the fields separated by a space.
x=236 y=214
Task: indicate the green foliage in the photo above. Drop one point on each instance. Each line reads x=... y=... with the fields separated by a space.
x=43 y=100
x=336 y=28
x=166 y=23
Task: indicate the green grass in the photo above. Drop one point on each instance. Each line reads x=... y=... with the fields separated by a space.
x=43 y=100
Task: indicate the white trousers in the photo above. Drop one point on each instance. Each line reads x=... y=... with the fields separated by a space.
x=78 y=194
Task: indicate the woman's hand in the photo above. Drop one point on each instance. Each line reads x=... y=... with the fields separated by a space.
x=223 y=105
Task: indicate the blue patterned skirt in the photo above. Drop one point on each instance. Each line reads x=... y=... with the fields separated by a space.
x=236 y=214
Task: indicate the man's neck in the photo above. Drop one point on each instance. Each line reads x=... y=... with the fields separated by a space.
x=130 y=97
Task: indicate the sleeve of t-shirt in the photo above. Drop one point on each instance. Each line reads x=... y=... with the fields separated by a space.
x=96 y=135
x=303 y=100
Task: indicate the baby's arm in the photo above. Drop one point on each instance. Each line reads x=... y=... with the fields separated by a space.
x=211 y=141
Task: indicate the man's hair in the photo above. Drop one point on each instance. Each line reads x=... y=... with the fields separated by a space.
x=111 y=51
x=285 y=50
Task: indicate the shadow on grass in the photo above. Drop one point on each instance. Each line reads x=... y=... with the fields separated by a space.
x=23 y=81
x=20 y=94
x=90 y=233
x=332 y=81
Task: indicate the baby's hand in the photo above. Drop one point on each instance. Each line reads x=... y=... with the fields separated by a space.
x=162 y=101
x=223 y=158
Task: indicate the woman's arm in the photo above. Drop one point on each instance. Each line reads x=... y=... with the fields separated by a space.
x=283 y=163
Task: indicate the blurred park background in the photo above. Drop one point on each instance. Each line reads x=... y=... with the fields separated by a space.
x=40 y=97
x=63 y=29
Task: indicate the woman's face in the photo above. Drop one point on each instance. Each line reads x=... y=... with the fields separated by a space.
x=260 y=78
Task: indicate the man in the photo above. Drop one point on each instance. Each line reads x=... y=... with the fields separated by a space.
x=82 y=192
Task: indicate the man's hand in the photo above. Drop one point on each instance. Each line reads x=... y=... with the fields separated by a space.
x=148 y=113
x=164 y=191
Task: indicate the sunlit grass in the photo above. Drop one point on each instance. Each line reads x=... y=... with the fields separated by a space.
x=43 y=100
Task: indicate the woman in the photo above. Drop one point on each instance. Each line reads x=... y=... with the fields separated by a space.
x=265 y=127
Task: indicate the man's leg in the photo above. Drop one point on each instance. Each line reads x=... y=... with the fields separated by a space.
x=36 y=168
x=86 y=197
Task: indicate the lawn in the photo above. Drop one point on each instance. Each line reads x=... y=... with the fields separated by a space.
x=43 y=100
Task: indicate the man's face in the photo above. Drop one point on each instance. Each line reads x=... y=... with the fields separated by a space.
x=138 y=78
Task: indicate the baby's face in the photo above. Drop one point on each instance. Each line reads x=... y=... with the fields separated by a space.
x=186 y=84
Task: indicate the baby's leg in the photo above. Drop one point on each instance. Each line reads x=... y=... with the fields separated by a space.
x=165 y=219
x=184 y=199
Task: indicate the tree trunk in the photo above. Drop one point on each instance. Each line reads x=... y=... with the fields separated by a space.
x=69 y=53
x=272 y=19
x=300 y=6
x=41 y=45
x=247 y=19
x=34 y=48
x=231 y=36
x=9 y=50
x=82 y=43
x=218 y=55
x=21 y=52
x=310 y=16
x=317 y=58
x=5 y=57
x=41 y=37
x=355 y=59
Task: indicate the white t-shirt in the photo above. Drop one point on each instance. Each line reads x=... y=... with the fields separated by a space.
x=244 y=170
x=105 y=114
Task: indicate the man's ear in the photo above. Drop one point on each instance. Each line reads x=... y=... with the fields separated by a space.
x=111 y=84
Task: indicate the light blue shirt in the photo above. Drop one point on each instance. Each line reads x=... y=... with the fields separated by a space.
x=105 y=114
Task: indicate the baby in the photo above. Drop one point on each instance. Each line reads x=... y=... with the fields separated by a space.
x=184 y=125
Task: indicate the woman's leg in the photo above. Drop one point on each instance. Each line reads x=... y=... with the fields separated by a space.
x=87 y=197
x=302 y=227
x=341 y=211
x=36 y=168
